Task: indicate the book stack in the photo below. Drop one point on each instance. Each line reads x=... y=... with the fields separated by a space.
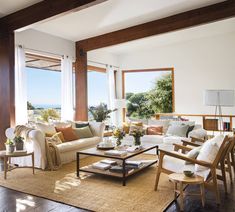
x=101 y=166
x=134 y=164
x=115 y=153
x=110 y=162
x=226 y=126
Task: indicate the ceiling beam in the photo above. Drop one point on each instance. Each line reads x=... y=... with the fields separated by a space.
x=179 y=21
x=41 y=11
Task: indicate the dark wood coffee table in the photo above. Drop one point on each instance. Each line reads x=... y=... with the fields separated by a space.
x=101 y=153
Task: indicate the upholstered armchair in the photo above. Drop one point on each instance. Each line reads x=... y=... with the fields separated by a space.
x=175 y=162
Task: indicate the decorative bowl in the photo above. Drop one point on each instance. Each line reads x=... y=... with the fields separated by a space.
x=188 y=173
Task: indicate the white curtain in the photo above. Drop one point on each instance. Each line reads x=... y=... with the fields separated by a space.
x=66 y=88
x=111 y=92
x=21 y=113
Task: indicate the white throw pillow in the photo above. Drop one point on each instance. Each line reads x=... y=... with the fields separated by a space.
x=177 y=130
x=208 y=152
x=164 y=123
x=193 y=154
x=190 y=123
x=46 y=129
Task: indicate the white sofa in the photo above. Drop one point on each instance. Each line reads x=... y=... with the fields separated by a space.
x=36 y=143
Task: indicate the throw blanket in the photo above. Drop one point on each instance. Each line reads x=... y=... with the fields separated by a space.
x=21 y=130
x=53 y=156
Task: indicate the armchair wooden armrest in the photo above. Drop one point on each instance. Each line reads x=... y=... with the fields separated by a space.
x=185 y=143
x=194 y=139
x=191 y=160
x=178 y=147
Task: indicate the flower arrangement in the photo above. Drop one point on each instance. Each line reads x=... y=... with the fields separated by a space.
x=119 y=134
x=137 y=133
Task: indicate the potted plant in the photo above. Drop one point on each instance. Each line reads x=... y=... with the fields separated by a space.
x=137 y=133
x=19 y=142
x=119 y=135
x=10 y=146
x=100 y=113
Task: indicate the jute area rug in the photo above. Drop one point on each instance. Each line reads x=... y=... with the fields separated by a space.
x=93 y=192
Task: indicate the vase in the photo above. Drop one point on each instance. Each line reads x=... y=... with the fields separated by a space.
x=10 y=148
x=118 y=142
x=137 y=141
x=19 y=145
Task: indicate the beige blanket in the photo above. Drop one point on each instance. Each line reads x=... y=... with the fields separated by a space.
x=53 y=156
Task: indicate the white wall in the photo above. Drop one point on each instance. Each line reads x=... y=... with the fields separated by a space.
x=205 y=63
x=44 y=42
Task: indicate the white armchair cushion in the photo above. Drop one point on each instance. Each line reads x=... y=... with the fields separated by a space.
x=209 y=151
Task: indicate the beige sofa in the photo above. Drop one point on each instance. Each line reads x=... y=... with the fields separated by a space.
x=36 y=143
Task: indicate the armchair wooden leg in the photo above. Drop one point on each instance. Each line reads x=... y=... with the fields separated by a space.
x=224 y=176
x=158 y=171
x=157 y=178
x=215 y=186
x=233 y=160
x=229 y=168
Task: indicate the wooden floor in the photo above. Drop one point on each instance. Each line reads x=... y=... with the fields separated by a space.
x=11 y=201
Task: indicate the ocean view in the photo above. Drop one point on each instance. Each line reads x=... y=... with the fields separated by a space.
x=46 y=106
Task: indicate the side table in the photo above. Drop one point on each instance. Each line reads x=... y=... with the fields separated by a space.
x=7 y=160
x=181 y=179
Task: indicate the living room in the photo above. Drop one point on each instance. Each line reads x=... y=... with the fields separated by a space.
x=198 y=56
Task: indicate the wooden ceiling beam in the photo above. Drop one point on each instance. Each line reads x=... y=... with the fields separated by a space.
x=179 y=21
x=41 y=11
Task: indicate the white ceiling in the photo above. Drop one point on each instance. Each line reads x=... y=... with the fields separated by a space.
x=207 y=30
x=114 y=15
x=10 y=6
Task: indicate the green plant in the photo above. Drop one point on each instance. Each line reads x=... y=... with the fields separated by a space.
x=9 y=142
x=18 y=139
x=101 y=112
x=30 y=106
x=49 y=113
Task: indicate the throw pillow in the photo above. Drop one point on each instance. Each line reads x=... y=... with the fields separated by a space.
x=207 y=153
x=83 y=132
x=155 y=130
x=55 y=139
x=58 y=134
x=177 y=130
x=189 y=130
x=81 y=124
x=193 y=154
x=68 y=133
x=164 y=123
x=46 y=129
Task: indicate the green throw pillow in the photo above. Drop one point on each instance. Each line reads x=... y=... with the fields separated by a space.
x=84 y=132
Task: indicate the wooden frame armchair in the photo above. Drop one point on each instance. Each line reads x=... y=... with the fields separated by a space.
x=211 y=179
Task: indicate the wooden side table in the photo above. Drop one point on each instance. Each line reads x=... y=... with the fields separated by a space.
x=182 y=179
x=7 y=160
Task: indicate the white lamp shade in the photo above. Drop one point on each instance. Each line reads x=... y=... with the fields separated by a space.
x=120 y=103
x=219 y=98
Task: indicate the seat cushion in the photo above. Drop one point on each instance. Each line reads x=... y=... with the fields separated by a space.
x=173 y=140
x=78 y=144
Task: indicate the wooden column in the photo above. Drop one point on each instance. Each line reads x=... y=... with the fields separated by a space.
x=81 y=105
x=7 y=93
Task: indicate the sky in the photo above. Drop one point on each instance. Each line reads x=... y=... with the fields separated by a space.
x=44 y=87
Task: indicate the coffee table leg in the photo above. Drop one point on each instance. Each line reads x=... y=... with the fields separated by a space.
x=5 y=167
x=124 y=173
x=78 y=161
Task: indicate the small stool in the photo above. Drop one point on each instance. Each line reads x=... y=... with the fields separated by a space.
x=182 y=179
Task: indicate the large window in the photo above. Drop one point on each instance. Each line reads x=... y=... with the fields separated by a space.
x=43 y=87
x=97 y=87
x=148 y=92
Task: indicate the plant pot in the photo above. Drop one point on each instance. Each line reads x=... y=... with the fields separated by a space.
x=137 y=141
x=10 y=148
x=19 y=145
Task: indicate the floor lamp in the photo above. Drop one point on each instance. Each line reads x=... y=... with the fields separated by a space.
x=219 y=99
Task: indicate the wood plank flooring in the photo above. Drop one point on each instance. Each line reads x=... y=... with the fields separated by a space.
x=11 y=201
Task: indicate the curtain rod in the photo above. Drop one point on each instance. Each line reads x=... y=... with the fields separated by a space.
x=102 y=63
